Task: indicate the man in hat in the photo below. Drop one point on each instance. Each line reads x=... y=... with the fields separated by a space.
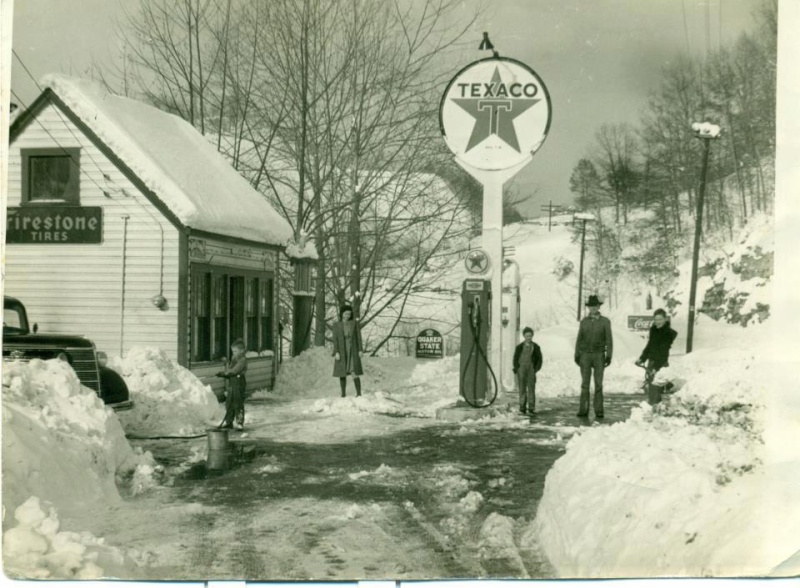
x=593 y=350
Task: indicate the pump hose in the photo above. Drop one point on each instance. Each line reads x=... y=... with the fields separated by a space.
x=477 y=343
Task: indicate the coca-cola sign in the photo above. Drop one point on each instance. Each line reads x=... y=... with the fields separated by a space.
x=641 y=322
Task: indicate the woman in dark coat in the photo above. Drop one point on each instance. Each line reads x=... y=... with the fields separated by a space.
x=347 y=350
x=656 y=354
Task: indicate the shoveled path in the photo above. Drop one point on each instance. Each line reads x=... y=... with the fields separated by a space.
x=394 y=505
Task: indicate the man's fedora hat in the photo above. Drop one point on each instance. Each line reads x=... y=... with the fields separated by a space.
x=593 y=301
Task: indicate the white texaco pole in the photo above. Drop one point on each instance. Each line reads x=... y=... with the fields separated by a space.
x=492 y=241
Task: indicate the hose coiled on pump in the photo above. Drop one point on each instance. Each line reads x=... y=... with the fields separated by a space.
x=476 y=344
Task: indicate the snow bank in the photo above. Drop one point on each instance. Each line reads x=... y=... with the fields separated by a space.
x=679 y=488
x=36 y=549
x=310 y=375
x=60 y=442
x=168 y=398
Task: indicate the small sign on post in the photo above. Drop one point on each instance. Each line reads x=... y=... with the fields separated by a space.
x=637 y=322
x=430 y=344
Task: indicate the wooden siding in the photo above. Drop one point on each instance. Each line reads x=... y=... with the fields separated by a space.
x=77 y=289
x=260 y=374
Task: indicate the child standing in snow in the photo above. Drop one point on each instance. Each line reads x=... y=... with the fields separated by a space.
x=527 y=361
x=234 y=373
x=656 y=353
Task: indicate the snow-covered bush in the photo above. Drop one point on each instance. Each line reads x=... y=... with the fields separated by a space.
x=563 y=268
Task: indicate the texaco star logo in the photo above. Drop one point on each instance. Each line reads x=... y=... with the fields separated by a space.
x=477 y=261
x=495 y=113
x=494 y=106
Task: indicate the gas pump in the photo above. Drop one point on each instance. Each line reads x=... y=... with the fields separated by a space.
x=475 y=385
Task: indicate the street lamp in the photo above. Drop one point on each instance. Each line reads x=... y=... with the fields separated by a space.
x=584 y=217
x=707 y=132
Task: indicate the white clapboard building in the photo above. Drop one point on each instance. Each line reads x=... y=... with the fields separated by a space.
x=127 y=226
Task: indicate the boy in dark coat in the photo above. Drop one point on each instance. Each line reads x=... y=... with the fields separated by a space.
x=234 y=373
x=527 y=361
x=656 y=353
x=347 y=350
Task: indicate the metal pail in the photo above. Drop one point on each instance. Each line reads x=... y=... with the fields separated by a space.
x=218 y=460
x=218 y=440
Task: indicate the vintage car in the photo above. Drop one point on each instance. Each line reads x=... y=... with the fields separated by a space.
x=23 y=342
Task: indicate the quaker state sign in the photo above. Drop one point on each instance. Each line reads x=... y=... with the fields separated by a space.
x=430 y=344
x=495 y=113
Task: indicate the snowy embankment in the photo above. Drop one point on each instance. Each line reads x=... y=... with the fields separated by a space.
x=682 y=488
x=63 y=447
x=168 y=399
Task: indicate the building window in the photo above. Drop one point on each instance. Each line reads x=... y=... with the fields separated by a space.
x=229 y=304
x=265 y=314
x=251 y=315
x=201 y=327
x=51 y=176
x=220 y=325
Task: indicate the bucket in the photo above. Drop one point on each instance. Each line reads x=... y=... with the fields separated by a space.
x=217 y=440
x=654 y=393
x=218 y=459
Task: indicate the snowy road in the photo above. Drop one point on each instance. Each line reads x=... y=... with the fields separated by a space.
x=377 y=497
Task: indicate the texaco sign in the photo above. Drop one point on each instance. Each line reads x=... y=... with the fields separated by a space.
x=495 y=113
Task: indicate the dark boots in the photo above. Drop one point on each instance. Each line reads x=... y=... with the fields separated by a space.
x=343 y=386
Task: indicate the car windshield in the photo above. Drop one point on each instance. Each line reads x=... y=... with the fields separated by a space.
x=12 y=322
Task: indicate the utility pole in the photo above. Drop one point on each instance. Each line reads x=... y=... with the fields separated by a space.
x=550 y=210
x=583 y=217
x=706 y=132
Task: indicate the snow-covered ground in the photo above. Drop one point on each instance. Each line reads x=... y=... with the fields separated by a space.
x=685 y=488
x=63 y=451
x=703 y=484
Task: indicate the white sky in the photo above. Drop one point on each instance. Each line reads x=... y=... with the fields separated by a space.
x=599 y=58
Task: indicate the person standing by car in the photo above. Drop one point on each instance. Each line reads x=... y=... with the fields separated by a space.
x=347 y=350
x=656 y=353
x=527 y=362
x=234 y=373
x=594 y=348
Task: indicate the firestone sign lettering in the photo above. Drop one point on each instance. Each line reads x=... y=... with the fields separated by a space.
x=55 y=224
x=495 y=113
x=430 y=344
x=640 y=322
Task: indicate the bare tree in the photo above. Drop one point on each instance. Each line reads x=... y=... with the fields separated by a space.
x=329 y=108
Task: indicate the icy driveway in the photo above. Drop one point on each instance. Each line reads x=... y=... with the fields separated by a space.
x=353 y=496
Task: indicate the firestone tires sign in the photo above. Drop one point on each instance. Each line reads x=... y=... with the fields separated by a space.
x=495 y=113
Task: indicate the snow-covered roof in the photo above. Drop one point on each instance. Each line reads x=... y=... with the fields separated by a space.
x=176 y=162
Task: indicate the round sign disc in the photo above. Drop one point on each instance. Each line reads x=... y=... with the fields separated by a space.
x=495 y=113
x=477 y=261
